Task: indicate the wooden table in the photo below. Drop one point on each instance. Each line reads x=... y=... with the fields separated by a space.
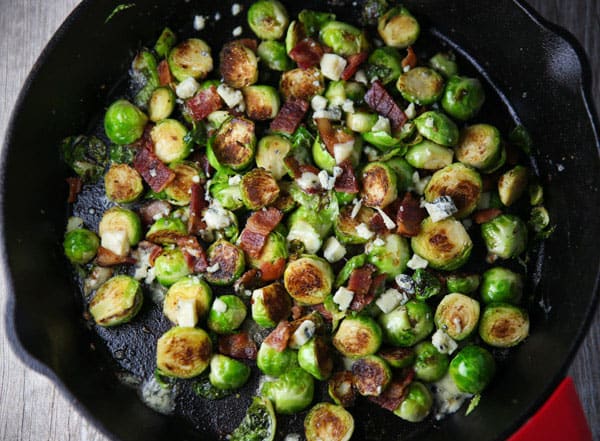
x=31 y=408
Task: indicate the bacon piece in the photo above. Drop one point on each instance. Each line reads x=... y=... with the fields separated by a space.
x=194 y=254
x=151 y=249
x=258 y=227
x=360 y=284
x=205 y=165
x=153 y=170
x=249 y=280
x=238 y=345
x=332 y=136
x=354 y=62
x=272 y=270
x=279 y=337
x=377 y=224
x=250 y=43
x=75 y=186
x=297 y=311
x=145 y=141
x=152 y=211
x=410 y=215
x=106 y=257
x=410 y=59
x=395 y=393
x=382 y=102
x=165 y=77
x=347 y=182
x=307 y=53
x=483 y=216
x=320 y=308
x=197 y=205
x=204 y=103
x=290 y=116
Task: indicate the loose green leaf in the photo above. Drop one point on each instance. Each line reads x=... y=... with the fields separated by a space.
x=119 y=8
x=520 y=137
x=473 y=403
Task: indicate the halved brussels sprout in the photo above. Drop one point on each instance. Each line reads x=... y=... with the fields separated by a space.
x=421 y=85
x=358 y=336
x=426 y=285
x=161 y=104
x=336 y=93
x=226 y=190
x=271 y=151
x=346 y=226
x=226 y=314
x=272 y=257
x=503 y=325
x=407 y=324
x=457 y=315
x=123 y=184
x=341 y=388
x=189 y=289
x=501 y=285
x=378 y=185
x=301 y=84
x=292 y=392
x=270 y=305
x=444 y=63
x=472 y=369
x=81 y=245
x=121 y=219
x=259 y=189
x=437 y=127
x=343 y=38
x=274 y=55
x=238 y=64
x=117 y=301
x=190 y=58
x=308 y=279
x=417 y=404
x=398 y=28
x=170 y=266
x=350 y=265
x=268 y=19
x=295 y=33
x=463 y=283
x=361 y=122
x=326 y=421
x=428 y=155
x=371 y=375
x=180 y=189
x=170 y=141
x=234 y=143
x=430 y=364
x=480 y=146
x=166 y=40
x=461 y=183
x=313 y=21
x=505 y=236
x=512 y=185
x=227 y=373
x=315 y=358
x=124 y=123
x=404 y=173
x=389 y=258
x=226 y=263
x=463 y=97
x=259 y=421
x=86 y=155
x=398 y=357
x=275 y=363
x=166 y=230
x=183 y=352
x=144 y=77
x=262 y=102
x=385 y=63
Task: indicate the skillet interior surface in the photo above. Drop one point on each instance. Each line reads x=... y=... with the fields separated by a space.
x=539 y=73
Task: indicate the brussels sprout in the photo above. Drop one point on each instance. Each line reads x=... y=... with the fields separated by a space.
x=503 y=325
x=445 y=244
x=421 y=85
x=417 y=404
x=480 y=146
x=81 y=245
x=161 y=104
x=234 y=143
x=463 y=97
x=437 y=127
x=501 y=285
x=190 y=58
x=326 y=421
x=404 y=173
x=385 y=63
x=226 y=263
x=461 y=183
x=292 y=392
x=308 y=279
x=262 y=102
x=389 y=258
x=341 y=388
x=315 y=358
x=343 y=38
x=361 y=122
x=226 y=314
x=258 y=189
x=398 y=357
x=313 y=21
x=271 y=151
x=166 y=230
x=351 y=264
x=259 y=424
x=268 y=19
x=462 y=283
x=539 y=219
x=347 y=228
x=86 y=155
x=457 y=315
x=371 y=375
x=407 y=324
x=321 y=156
x=144 y=77
x=270 y=305
x=358 y=336
x=165 y=42
x=382 y=140
x=444 y=63
x=170 y=266
x=121 y=219
x=295 y=33
x=226 y=191
x=170 y=141
x=124 y=123
x=275 y=363
x=117 y=301
x=378 y=185
x=472 y=369
x=272 y=257
x=273 y=54
x=430 y=364
x=512 y=185
x=336 y=93
x=426 y=284
x=238 y=64
x=536 y=194
x=188 y=290
x=398 y=28
x=183 y=352
x=428 y=155
x=301 y=83
x=505 y=236
x=227 y=373
x=179 y=190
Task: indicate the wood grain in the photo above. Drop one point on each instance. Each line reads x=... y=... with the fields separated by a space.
x=31 y=408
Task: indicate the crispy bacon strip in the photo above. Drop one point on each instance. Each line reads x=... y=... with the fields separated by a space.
x=197 y=205
x=354 y=62
x=360 y=284
x=410 y=59
x=272 y=270
x=194 y=254
x=164 y=73
x=307 y=53
x=152 y=249
x=258 y=227
x=106 y=257
x=153 y=170
x=290 y=116
x=410 y=215
x=347 y=182
x=483 y=216
x=382 y=102
x=75 y=186
x=250 y=43
x=395 y=393
x=238 y=345
x=320 y=308
x=204 y=103
x=279 y=337
x=151 y=211
x=377 y=224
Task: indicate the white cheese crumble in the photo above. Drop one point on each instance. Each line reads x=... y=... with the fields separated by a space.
x=187 y=313
x=388 y=222
x=97 y=277
x=199 y=22
x=361 y=77
x=342 y=151
x=292 y=437
x=417 y=262
x=217 y=16
x=74 y=223
x=337 y=171
x=308 y=180
x=234 y=180
x=429 y=122
x=237 y=31
x=304 y=333
x=152 y=172
x=418 y=183
x=372 y=154
x=357 y=204
x=379 y=242
x=410 y=111
x=331 y=113
x=406 y=68
x=235 y=9
x=448 y=398
x=327 y=182
x=389 y=300
x=304 y=232
x=343 y=298
x=405 y=283
x=216 y=217
x=333 y=250
x=348 y=106
x=318 y=102
x=219 y=306
x=441 y=208
x=187 y=88
x=116 y=241
x=443 y=342
x=213 y=268
x=332 y=66
x=363 y=231
x=196 y=179
x=382 y=125
x=231 y=96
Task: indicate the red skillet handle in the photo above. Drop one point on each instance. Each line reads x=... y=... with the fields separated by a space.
x=561 y=418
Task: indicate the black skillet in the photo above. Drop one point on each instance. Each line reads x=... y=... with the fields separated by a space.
x=540 y=77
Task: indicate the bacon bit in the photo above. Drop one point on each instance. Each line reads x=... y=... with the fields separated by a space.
x=377 y=224
x=250 y=43
x=258 y=227
x=360 y=284
x=410 y=59
x=320 y=308
x=251 y=279
x=290 y=116
x=279 y=337
x=272 y=270
x=347 y=182
x=204 y=103
x=483 y=216
x=149 y=212
x=197 y=205
x=153 y=170
x=410 y=215
x=238 y=345
x=354 y=62
x=145 y=141
x=194 y=254
x=307 y=53
x=332 y=136
x=297 y=311
x=395 y=393
x=151 y=249
x=106 y=257
x=382 y=102
x=75 y=186
x=165 y=78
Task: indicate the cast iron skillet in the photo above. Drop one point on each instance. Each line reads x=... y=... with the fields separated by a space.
x=537 y=68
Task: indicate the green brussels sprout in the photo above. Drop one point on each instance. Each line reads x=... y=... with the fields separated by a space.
x=462 y=283
x=144 y=76
x=321 y=156
x=451 y=247
x=463 y=97
x=238 y=64
x=444 y=63
x=355 y=91
x=272 y=257
x=315 y=358
x=343 y=38
x=426 y=284
x=371 y=375
x=350 y=265
x=437 y=127
x=417 y=404
x=336 y=93
x=165 y=42
x=166 y=230
x=270 y=305
x=512 y=185
x=398 y=28
x=501 y=285
x=428 y=155
x=117 y=301
x=292 y=392
x=503 y=325
x=398 y=358
x=227 y=373
x=179 y=190
x=404 y=173
x=124 y=122
x=372 y=10
x=472 y=369
x=270 y=153
x=226 y=263
x=457 y=315
x=295 y=33
x=301 y=83
x=262 y=102
x=170 y=141
x=313 y=21
x=161 y=104
x=268 y=19
x=430 y=364
x=358 y=336
x=340 y=388
x=480 y=146
x=539 y=219
x=226 y=190
x=190 y=58
x=421 y=85
x=121 y=219
x=86 y=155
x=385 y=63
x=275 y=363
x=308 y=279
x=536 y=194
x=389 y=257
x=407 y=324
x=505 y=236
x=361 y=122
x=461 y=183
x=259 y=189
x=226 y=314
x=234 y=143
x=170 y=266
x=192 y=291
x=81 y=245
x=123 y=184
x=259 y=424
x=382 y=140
x=378 y=185
x=273 y=54
x=326 y=421
x=183 y=352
